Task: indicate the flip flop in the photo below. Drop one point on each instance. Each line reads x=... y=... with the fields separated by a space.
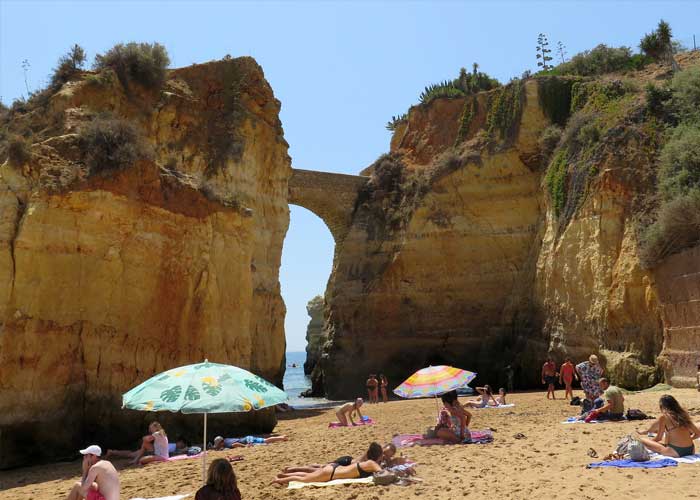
x=592 y=453
x=520 y=435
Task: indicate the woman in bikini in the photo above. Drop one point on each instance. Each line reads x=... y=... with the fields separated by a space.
x=486 y=395
x=383 y=384
x=336 y=471
x=453 y=420
x=676 y=425
x=500 y=399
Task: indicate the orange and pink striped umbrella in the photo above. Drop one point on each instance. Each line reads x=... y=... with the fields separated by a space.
x=433 y=381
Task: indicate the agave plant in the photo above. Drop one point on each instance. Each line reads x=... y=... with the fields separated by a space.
x=395 y=121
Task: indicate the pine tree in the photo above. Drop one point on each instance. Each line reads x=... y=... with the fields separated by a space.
x=543 y=52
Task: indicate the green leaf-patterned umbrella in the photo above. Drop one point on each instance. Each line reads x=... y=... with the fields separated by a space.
x=204 y=388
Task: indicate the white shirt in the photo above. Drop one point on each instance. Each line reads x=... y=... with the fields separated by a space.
x=160 y=444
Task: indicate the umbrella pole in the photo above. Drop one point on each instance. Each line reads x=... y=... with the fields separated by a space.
x=204 y=452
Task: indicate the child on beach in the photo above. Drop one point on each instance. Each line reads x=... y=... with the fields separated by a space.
x=344 y=413
x=567 y=374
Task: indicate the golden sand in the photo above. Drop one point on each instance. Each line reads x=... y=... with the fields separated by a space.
x=550 y=461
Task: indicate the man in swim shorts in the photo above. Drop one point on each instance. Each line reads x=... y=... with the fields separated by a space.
x=549 y=376
x=100 y=478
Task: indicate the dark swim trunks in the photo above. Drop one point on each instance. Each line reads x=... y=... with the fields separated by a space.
x=550 y=379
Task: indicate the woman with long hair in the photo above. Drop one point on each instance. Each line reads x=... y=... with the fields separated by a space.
x=221 y=483
x=363 y=468
x=676 y=426
x=154 y=447
x=453 y=420
x=383 y=384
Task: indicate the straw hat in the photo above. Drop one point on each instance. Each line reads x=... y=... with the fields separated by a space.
x=593 y=359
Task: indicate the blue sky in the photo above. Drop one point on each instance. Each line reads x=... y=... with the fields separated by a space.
x=341 y=69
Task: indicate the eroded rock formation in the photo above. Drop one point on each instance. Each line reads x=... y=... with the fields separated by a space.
x=315 y=337
x=109 y=278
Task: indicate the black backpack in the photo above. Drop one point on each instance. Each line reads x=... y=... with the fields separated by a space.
x=575 y=401
x=634 y=414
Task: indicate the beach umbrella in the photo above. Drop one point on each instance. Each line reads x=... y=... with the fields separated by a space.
x=433 y=381
x=204 y=388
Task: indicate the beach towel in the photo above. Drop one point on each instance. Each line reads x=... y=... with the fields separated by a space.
x=576 y=420
x=688 y=459
x=364 y=421
x=172 y=497
x=624 y=464
x=295 y=485
x=407 y=440
x=509 y=405
x=183 y=457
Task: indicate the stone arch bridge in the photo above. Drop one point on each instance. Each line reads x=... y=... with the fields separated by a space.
x=328 y=195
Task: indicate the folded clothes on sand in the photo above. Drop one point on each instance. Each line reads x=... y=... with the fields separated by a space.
x=407 y=440
x=624 y=464
x=295 y=485
x=364 y=421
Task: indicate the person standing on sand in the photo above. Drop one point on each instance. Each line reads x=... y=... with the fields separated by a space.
x=549 y=376
x=372 y=388
x=589 y=373
x=100 y=479
x=567 y=372
x=383 y=383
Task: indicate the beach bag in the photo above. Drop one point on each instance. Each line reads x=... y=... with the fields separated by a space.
x=634 y=414
x=586 y=405
x=576 y=401
x=384 y=478
x=194 y=450
x=637 y=450
x=623 y=445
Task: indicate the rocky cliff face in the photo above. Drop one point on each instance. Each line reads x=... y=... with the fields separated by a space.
x=678 y=280
x=110 y=278
x=314 y=333
x=477 y=268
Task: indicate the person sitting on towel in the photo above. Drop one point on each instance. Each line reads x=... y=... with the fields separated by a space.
x=611 y=406
x=675 y=424
x=220 y=443
x=453 y=420
x=500 y=399
x=336 y=471
x=486 y=396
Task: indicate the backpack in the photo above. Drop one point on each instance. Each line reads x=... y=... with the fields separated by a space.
x=384 y=478
x=575 y=401
x=634 y=414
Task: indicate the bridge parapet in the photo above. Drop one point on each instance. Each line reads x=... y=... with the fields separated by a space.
x=330 y=196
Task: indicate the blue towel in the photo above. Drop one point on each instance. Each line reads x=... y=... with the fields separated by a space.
x=649 y=464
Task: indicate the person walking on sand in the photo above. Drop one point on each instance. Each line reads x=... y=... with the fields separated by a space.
x=100 y=479
x=549 y=376
x=567 y=372
x=372 y=384
x=344 y=413
x=589 y=373
x=383 y=384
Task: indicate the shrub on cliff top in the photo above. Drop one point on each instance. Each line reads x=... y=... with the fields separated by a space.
x=111 y=144
x=143 y=63
x=601 y=60
x=68 y=65
x=686 y=94
x=679 y=163
x=505 y=110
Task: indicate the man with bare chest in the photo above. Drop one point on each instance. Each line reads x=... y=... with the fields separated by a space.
x=100 y=478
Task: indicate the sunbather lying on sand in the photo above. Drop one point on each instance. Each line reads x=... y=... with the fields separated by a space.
x=344 y=413
x=333 y=471
x=388 y=459
x=220 y=443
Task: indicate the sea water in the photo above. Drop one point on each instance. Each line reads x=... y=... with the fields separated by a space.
x=295 y=382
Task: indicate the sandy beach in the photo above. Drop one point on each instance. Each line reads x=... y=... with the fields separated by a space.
x=551 y=460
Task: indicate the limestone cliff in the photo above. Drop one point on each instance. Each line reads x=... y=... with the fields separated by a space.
x=314 y=333
x=109 y=278
x=472 y=247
